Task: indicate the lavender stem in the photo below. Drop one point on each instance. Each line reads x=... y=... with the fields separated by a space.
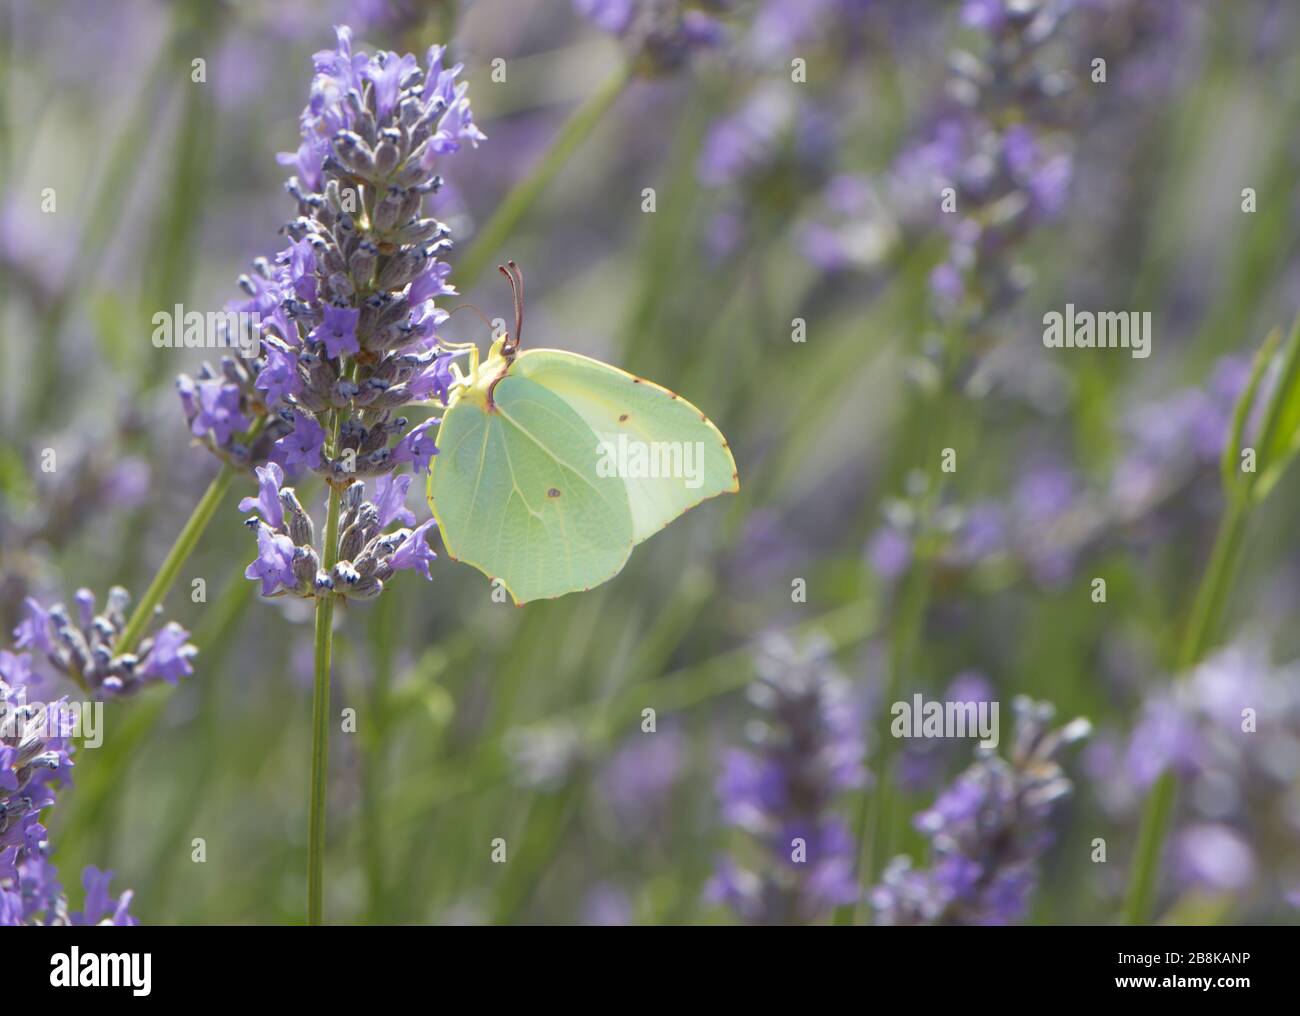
x=320 y=705
x=1207 y=613
x=180 y=551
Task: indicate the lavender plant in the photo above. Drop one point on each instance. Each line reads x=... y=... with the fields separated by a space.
x=1237 y=773
x=37 y=741
x=805 y=750
x=349 y=338
x=86 y=647
x=1249 y=472
x=661 y=35
x=987 y=832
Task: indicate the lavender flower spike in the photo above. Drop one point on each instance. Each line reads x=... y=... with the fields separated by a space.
x=345 y=314
x=35 y=760
x=288 y=560
x=350 y=322
x=987 y=832
x=84 y=647
x=782 y=790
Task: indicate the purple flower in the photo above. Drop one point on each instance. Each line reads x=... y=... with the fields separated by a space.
x=430 y=284
x=414 y=552
x=308 y=159
x=302 y=446
x=85 y=601
x=1214 y=857
x=417 y=447
x=218 y=410
x=83 y=645
x=986 y=15
x=639 y=778
x=100 y=906
x=269 y=479
x=986 y=831
x=664 y=34
x=338 y=330
x=263 y=292
x=435 y=380
x=612 y=16
x=390 y=499
x=279 y=376
x=781 y=791
x=383 y=122
x=890 y=553
x=274 y=564
x=1165 y=737
x=607 y=906
x=16 y=669
x=386 y=71
x=423 y=325
x=127 y=483
x=168 y=659
x=302 y=270
x=33 y=630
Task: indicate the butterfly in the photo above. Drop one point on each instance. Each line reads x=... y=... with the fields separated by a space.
x=552 y=466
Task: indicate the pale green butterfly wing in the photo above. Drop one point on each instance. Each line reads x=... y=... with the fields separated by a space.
x=668 y=453
x=516 y=494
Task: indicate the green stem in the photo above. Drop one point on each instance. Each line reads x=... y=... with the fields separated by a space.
x=176 y=558
x=525 y=194
x=376 y=743
x=1200 y=635
x=1211 y=597
x=184 y=546
x=320 y=707
x=875 y=816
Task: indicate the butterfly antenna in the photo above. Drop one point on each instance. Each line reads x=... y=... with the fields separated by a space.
x=469 y=306
x=516 y=278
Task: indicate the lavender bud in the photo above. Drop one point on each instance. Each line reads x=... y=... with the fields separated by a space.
x=367 y=588
x=354 y=496
x=301 y=530
x=354 y=154
x=362 y=262
x=344 y=575
x=306 y=566
x=352 y=540
x=401 y=269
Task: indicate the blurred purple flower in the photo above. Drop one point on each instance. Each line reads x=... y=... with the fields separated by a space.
x=986 y=831
x=782 y=789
